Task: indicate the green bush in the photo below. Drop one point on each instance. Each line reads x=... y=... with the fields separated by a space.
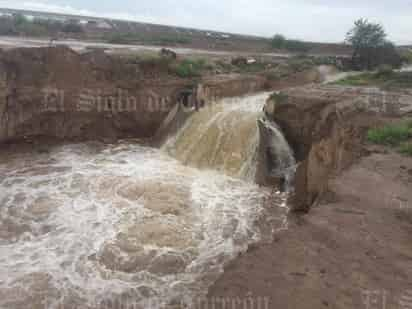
x=384 y=70
x=273 y=75
x=398 y=80
x=172 y=40
x=299 y=64
x=122 y=38
x=72 y=27
x=188 y=68
x=409 y=57
x=280 y=42
x=356 y=80
x=384 y=78
x=392 y=135
x=371 y=47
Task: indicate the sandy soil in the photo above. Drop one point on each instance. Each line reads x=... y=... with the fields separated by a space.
x=352 y=251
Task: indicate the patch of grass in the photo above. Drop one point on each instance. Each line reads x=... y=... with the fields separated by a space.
x=300 y=64
x=398 y=80
x=407 y=56
x=395 y=135
x=391 y=135
x=384 y=78
x=172 y=40
x=188 y=68
x=224 y=66
x=365 y=79
x=273 y=75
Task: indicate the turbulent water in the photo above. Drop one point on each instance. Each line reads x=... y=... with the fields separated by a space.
x=222 y=136
x=83 y=225
x=281 y=161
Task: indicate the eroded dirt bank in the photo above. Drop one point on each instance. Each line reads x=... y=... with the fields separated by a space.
x=352 y=250
x=57 y=92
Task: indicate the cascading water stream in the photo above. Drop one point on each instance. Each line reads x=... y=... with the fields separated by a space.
x=281 y=163
x=225 y=137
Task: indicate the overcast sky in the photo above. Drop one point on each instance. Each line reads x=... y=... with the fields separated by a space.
x=312 y=20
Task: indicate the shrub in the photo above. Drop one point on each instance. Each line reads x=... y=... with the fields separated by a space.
x=398 y=80
x=224 y=66
x=384 y=70
x=188 y=68
x=356 y=80
x=409 y=57
x=172 y=40
x=384 y=78
x=280 y=42
x=299 y=64
x=392 y=135
x=72 y=27
x=273 y=75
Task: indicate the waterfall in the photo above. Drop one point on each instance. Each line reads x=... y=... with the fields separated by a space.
x=227 y=137
x=277 y=155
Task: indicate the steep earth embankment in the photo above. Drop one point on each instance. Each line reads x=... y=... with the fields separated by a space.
x=352 y=250
x=326 y=127
x=56 y=92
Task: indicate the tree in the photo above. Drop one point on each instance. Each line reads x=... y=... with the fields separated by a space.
x=279 y=41
x=72 y=27
x=19 y=19
x=370 y=46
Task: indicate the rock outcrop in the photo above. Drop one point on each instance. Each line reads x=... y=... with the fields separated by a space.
x=326 y=127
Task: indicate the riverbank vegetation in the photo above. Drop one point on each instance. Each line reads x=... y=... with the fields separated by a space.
x=385 y=78
x=397 y=136
x=371 y=48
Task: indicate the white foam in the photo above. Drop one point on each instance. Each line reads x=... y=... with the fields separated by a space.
x=83 y=182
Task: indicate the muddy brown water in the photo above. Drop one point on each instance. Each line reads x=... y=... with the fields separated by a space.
x=84 y=224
